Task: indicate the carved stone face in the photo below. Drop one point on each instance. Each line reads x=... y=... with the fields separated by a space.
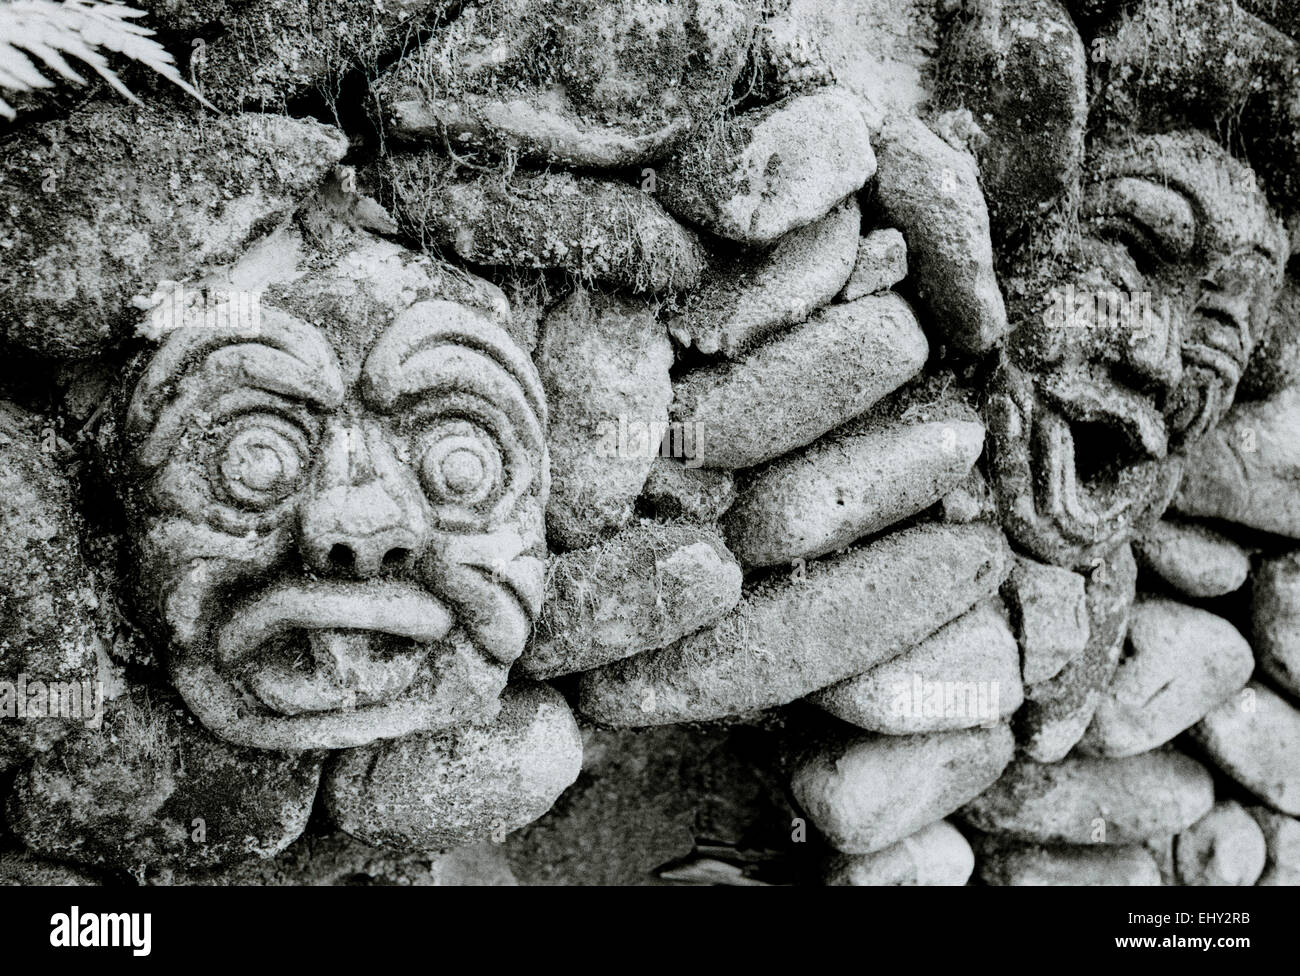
x=342 y=543
x=1134 y=347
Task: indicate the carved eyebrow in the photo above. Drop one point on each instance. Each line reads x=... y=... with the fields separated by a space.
x=194 y=366
x=443 y=348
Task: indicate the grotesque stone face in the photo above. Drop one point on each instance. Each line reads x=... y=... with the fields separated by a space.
x=341 y=536
x=1132 y=347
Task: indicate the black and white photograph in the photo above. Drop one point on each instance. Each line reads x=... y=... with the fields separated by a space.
x=669 y=443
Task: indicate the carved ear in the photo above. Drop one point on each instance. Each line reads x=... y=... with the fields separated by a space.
x=279 y=354
x=442 y=349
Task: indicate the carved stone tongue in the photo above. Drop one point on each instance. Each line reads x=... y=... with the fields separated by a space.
x=356 y=659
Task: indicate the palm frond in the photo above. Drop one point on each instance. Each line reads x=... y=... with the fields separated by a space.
x=82 y=29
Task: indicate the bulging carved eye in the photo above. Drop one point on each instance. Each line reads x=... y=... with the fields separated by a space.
x=261 y=462
x=461 y=467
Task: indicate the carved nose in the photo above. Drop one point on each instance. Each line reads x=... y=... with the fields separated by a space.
x=364 y=513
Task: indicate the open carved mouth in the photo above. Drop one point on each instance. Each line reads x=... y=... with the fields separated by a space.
x=314 y=646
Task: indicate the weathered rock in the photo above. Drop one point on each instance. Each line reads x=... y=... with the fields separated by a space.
x=970 y=501
x=930 y=191
x=1282 y=840
x=1182 y=662
x=1275 y=363
x=937 y=855
x=1191 y=558
x=772 y=169
x=869 y=793
x=1057 y=711
x=1009 y=863
x=20 y=869
x=644 y=588
x=1020 y=69
x=1247 y=470
x=1224 y=848
x=1081 y=800
x=745 y=297
x=1275 y=619
x=430 y=790
x=604 y=362
x=583 y=84
x=880 y=264
x=966 y=674
x=99 y=209
x=152 y=789
x=1050 y=610
x=852 y=483
x=829 y=370
x=48 y=598
x=675 y=491
x=1254 y=737
x=596 y=229
x=789 y=638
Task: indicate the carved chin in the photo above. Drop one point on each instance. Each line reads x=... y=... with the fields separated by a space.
x=334 y=665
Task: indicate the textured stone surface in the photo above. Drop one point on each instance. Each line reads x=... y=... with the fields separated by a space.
x=583 y=84
x=595 y=229
x=869 y=793
x=880 y=264
x=1282 y=840
x=151 y=789
x=20 y=869
x=1275 y=363
x=1081 y=800
x=642 y=589
x=1224 y=848
x=771 y=169
x=137 y=197
x=1247 y=469
x=930 y=191
x=673 y=491
x=830 y=369
x=427 y=791
x=937 y=855
x=788 y=638
x=1009 y=863
x=966 y=674
x=852 y=483
x=604 y=363
x=745 y=297
x=1181 y=663
x=1193 y=559
x=1050 y=610
x=1254 y=737
x=1275 y=619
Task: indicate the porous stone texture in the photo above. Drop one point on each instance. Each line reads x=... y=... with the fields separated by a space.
x=20 y=869
x=596 y=229
x=1009 y=863
x=184 y=197
x=48 y=597
x=474 y=784
x=1275 y=363
x=869 y=793
x=1181 y=663
x=849 y=484
x=1254 y=737
x=1050 y=610
x=1275 y=619
x=604 y=363
x=934 y=856
x=742 y=298
x=643 y=588
x=1224 y=848
x=1282 y=840
x=151 y=789
x=1246 y=469
x=1082 y=800
x=675 y=491
x=1193 y=559
x=790 y=637
x=619 y=84
x=881 y=263
x=966 y=674
x=930 y=191
x=830 y=369
x=772 y=169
